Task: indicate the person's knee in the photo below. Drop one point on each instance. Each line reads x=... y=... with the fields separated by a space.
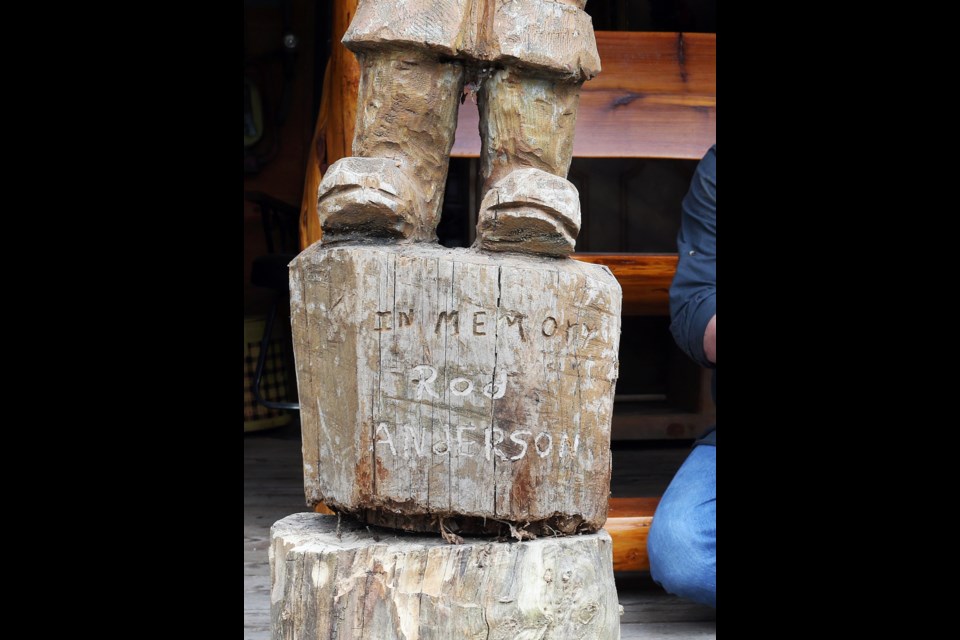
x=682 y=552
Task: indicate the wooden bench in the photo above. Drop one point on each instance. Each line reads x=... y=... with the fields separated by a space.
x=655 y=98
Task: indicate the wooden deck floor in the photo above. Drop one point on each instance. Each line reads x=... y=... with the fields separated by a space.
x=273 y=488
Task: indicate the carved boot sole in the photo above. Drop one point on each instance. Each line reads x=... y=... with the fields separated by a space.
x=530 y=211
x=366 y=198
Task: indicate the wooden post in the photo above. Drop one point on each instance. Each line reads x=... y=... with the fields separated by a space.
x=453 y=390
x=358 y=583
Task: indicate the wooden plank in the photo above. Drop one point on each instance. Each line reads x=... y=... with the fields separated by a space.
x=657 y=63
x=629 y=542
x=632 y=507
x=644 y=278
x=655 y=98
x=628 y=523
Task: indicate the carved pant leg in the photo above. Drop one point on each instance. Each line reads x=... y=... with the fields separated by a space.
x=527 y=126
x=393 y=185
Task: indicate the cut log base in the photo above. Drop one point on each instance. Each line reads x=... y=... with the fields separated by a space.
x=366 y=582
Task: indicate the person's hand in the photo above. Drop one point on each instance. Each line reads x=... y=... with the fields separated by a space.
x=710 y=340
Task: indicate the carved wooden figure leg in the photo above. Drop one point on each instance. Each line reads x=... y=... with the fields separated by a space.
x=406 y=119
x=527 y=127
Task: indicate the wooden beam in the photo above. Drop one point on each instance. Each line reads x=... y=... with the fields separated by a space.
x=644 y=278
x=655 y=98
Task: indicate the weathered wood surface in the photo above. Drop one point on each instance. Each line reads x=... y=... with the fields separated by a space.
x=454 y=387
x=527 y=125
x=404 y=131
x=526 y=62
x=542 y=37
x=359 y=583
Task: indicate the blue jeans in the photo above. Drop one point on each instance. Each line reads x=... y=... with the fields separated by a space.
x=682 y=545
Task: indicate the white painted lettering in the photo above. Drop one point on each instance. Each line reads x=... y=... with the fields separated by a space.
x=410 y=434
x=514 y=437
x=496 y=392
x=461 y=442
x=427 y=375
x=543 y=453
x=443 y=446
x=461 y=387
x=386 y=431
x=492 y=442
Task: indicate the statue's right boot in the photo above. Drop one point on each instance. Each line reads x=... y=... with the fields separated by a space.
x=392 y=186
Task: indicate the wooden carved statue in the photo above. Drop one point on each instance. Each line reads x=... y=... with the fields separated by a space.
x=453 y=390
x=525 y=61
x=465 y=392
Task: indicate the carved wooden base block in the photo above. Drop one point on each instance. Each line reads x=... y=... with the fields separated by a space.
x=367 y=582
x=453 y=389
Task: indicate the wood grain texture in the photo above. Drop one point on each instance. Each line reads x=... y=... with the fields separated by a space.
x=628 y=523
x=656 y=98
x=457 y=385
x=629 y=542
x=645 y=279
x=358 y=583
x=525 y=122
x=405 y=124
x=634 y=507
x=542 y=37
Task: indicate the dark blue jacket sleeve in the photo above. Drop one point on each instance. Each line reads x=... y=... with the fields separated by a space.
x=693 y=294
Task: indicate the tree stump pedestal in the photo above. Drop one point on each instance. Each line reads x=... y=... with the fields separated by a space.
x=369 y=583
